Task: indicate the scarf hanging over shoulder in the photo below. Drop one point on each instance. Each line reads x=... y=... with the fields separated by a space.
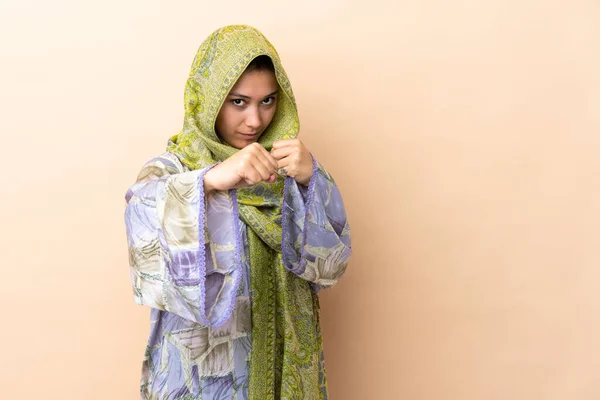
x=286 y=357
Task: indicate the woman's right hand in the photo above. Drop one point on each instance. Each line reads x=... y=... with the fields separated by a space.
x=249 y=166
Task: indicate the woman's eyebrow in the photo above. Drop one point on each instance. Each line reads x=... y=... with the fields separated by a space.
x=248 y=97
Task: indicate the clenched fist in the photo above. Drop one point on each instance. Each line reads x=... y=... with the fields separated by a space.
x=249 y=166
x=294 y=158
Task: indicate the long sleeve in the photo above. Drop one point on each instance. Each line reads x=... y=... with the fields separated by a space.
x=316 y=235
x=184 y=247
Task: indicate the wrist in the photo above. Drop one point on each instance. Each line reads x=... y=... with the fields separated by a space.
x=305 y=181
x=208 y=186
x=310 y=172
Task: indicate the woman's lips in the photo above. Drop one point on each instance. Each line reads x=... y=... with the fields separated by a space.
x=248 y=135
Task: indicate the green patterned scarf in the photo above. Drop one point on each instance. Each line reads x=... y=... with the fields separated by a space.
x=286 y=358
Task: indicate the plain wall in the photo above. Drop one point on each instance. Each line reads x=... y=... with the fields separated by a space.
x=463 y=135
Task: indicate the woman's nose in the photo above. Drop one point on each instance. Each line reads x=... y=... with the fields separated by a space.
x=253 y=119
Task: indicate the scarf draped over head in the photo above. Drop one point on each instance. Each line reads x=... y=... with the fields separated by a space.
x=219 y=63
x=286 y=355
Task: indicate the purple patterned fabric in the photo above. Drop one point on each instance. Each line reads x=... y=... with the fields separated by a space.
x=189 y=262
x=316 y=234
x=179 y=261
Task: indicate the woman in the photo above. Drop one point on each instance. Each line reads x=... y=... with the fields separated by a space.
x=231 y=232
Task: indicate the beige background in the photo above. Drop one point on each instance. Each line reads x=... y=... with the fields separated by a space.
x=463 y=135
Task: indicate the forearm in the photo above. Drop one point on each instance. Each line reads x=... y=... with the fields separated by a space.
x=316 y=234
x=173 y=257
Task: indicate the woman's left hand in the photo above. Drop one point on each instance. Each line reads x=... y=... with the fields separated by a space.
x=293 y=159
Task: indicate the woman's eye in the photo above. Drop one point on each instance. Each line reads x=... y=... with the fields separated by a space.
x=269 y=100
x=238 y=102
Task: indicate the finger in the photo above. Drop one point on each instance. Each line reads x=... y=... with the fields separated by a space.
x=251 y=175
x=278 y=144
x=266 y=157
x=268 y=162
x=282 y=152
x=285 y=167
x=252 y=168
x=262 y=167
x=284 y=162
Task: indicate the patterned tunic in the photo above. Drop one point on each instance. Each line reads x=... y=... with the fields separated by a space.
x=201 y=295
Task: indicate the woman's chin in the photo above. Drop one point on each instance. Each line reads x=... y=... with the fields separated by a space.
x=240 y=144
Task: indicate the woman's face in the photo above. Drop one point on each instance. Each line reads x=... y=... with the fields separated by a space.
x=248 y=108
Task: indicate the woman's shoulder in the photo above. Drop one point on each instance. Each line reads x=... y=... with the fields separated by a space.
x=171 y=161
x=163 y=164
